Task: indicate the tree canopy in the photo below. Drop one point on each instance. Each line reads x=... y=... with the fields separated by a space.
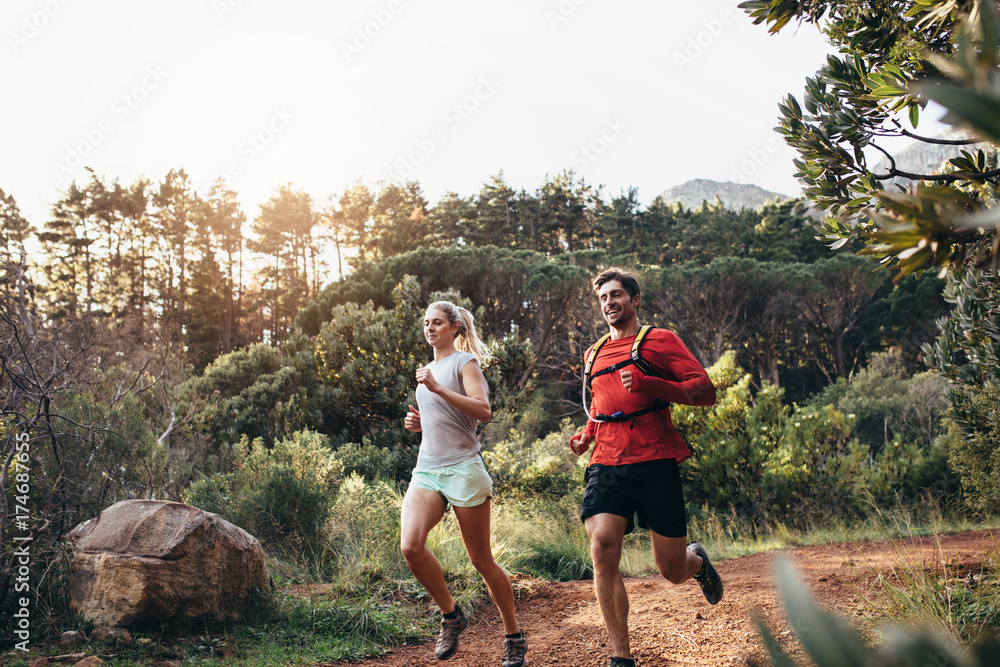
x=894 y=58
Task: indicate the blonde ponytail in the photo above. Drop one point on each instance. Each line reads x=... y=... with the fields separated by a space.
x=467 y=339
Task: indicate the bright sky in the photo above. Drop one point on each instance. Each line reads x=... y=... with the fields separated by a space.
x=318 y=94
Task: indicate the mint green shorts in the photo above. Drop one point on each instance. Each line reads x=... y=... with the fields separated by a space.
x=464 y=484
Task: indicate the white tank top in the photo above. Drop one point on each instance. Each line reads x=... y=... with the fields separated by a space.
x=448 y=436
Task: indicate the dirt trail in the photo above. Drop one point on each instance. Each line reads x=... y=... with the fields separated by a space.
x=674 y=625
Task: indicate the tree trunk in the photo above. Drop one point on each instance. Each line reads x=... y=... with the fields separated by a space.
x=227 y=329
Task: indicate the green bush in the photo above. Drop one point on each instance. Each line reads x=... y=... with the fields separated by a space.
x=975 y=424
x=767 y=463
x=549 y=540
x=375 y=459
x=887 y=403
x=210 y=494
x=284 y=505
x=375 y=623
x=306 y=453
x=545 y=468
x=905 y=471
x=815 y=466
x=967 y=353
x=232 y=373
x=279 y=494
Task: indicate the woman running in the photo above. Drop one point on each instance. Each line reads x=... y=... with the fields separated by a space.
x=452 y=395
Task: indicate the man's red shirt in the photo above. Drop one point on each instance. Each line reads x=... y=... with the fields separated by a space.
x=651 y=436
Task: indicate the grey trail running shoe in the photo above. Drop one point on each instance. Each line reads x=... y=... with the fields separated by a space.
x=451 y=628
x=621 y=662
x=707 y=577
x=514 y=650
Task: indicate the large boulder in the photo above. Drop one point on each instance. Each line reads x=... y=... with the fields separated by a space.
x=155 y=562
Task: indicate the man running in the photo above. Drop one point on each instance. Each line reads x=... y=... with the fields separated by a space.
x=634 y=466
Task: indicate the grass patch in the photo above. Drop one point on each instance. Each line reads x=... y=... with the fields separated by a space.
x=281 y=630
x=543 y=539
x=962 y=599
x=565 y=556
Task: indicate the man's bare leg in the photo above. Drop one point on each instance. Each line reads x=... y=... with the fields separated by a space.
x=675 y=561
x=678 y=562
x=606 y=533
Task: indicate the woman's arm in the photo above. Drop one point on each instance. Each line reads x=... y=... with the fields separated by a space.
x=474 y=403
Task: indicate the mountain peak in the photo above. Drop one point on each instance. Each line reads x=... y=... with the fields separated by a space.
x=734 y=196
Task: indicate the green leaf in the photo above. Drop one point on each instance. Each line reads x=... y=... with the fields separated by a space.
x=896 y=71
x=888 y=91
x=927 y=647
x=976 y=110
x=778 y=656
x=989 y=652
x=822 y=634
x=989 y=20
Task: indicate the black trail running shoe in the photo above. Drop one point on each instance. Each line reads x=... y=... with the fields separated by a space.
x=451 y=628
x=514 y=650
x=621 y=662
x=707 y=578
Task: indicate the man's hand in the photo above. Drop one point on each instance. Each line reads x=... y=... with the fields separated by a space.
x=412 y=420
x=627 y=380
x=581 y=443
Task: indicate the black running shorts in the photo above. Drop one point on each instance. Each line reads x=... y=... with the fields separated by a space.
x=651 y=489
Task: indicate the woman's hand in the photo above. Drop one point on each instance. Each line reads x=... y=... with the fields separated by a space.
x=473 y=403
x=426 y=378
x=412 y=420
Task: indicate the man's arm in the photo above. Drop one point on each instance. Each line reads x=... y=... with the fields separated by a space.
x=580 y=443
x=672 y=358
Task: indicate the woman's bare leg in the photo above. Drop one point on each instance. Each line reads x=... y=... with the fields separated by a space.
x=475 y=525
x=422 y=510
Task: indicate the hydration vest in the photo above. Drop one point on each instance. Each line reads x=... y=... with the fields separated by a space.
x=634 y=358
